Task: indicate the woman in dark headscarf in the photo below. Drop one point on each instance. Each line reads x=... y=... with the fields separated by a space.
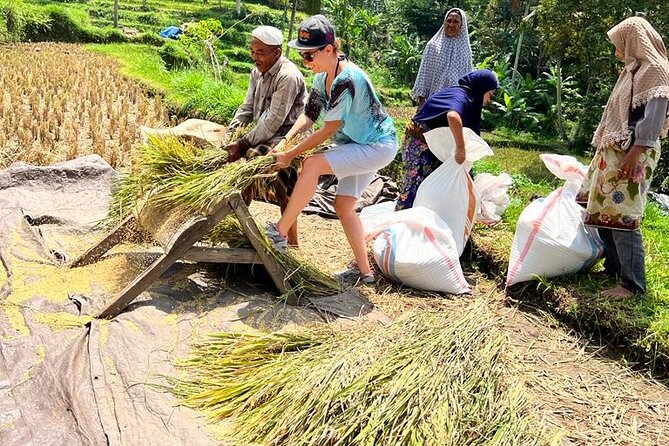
x=455 y=107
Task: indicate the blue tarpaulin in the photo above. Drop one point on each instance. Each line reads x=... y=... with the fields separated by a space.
x=171 y=32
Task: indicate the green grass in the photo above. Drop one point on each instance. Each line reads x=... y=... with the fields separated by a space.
x=502 y=137
x=192 y=93
x=140 y=62
x=641 y=324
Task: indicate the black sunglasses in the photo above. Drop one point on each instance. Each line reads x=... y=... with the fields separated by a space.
x=309 y=57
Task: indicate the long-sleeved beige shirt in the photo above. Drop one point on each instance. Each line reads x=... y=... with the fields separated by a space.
x=274 y=100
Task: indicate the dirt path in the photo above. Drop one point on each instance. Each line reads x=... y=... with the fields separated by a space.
x=584 y=397
x=593 y=400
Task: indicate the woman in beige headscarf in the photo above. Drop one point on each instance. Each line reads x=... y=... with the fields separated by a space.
x=628 y=149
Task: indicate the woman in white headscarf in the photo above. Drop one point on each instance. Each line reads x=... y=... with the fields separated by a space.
x=447 y=57
x=628 y=149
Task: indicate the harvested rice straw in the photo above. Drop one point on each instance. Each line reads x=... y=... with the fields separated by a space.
x=239 y=132
x=158 y=162
x=229 y=231
x=424 y=379
x=201 y=190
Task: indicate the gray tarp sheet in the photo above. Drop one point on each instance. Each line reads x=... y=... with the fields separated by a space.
x=101 y=384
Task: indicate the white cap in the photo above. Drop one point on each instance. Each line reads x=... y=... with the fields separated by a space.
x=268 y=35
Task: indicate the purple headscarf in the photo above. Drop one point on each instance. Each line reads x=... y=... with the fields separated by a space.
x=466 y=98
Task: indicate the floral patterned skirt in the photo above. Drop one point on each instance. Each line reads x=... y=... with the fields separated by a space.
x=613 y=202
x=418 y=161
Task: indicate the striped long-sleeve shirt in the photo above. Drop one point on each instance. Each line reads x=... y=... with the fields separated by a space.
x=274 y=100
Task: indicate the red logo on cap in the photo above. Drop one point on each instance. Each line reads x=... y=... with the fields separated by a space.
x=304 y=34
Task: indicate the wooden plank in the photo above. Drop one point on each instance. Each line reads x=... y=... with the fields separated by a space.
x=222 y=255
x=249 y=227
x=187 y=238
x=166 y=225
x=96 y=252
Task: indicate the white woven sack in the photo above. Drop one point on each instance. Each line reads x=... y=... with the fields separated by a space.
x=373 y=217
x=449 y=190
x=494 y=193
x=416 y=248
x=551 y=239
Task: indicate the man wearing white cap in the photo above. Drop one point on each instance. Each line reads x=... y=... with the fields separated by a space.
x=274 y=100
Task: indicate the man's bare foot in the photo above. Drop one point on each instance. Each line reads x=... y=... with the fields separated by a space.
x=619 y=292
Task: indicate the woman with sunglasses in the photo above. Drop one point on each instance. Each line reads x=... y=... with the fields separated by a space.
x=362 y=131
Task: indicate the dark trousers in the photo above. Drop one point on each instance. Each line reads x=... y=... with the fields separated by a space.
x=624 y=257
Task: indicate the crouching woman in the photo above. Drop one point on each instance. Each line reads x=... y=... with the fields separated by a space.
x=455 y=107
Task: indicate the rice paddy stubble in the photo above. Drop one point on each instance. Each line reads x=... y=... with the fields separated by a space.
x=61 y=102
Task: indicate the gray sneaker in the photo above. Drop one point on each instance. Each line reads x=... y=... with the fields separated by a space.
x=353 y=276
x=279 y=242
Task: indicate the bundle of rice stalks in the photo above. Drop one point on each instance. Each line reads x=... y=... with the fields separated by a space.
x=160 y=163
x=174 y=172
x=425 y=379
x=229 y=231
x=304 y=278
x=201 y=190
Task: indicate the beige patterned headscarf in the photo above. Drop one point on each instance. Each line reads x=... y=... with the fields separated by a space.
x=645 y=76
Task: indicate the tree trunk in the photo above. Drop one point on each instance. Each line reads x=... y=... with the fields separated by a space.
x=116 y=13
x=290 y=27
x=238 y=6
x=313 y=7
x=558 y=102
x=520 y=42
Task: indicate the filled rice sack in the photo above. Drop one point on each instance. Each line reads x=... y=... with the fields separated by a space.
x=551 y=239
x=494 y=193
x=449 y=190
x=415 y=247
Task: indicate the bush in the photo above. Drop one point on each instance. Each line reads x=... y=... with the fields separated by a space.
x=14 y=16
x=64 y=25
x=55 y=23
x=394 y=96
x=235 y=37
x=150 y=38
x=175 y=56
x=151 y=18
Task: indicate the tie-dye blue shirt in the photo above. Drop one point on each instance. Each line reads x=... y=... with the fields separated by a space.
x=354 y=102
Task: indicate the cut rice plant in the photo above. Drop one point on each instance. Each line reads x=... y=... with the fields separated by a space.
x=228 y=232
x=304 y=277
x=202 y=190
x=424 y=379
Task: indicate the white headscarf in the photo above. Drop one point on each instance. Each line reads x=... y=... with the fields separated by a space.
x=445 y=60
x=646 y=76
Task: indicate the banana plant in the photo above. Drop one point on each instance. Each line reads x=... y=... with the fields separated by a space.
x=405 y=57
